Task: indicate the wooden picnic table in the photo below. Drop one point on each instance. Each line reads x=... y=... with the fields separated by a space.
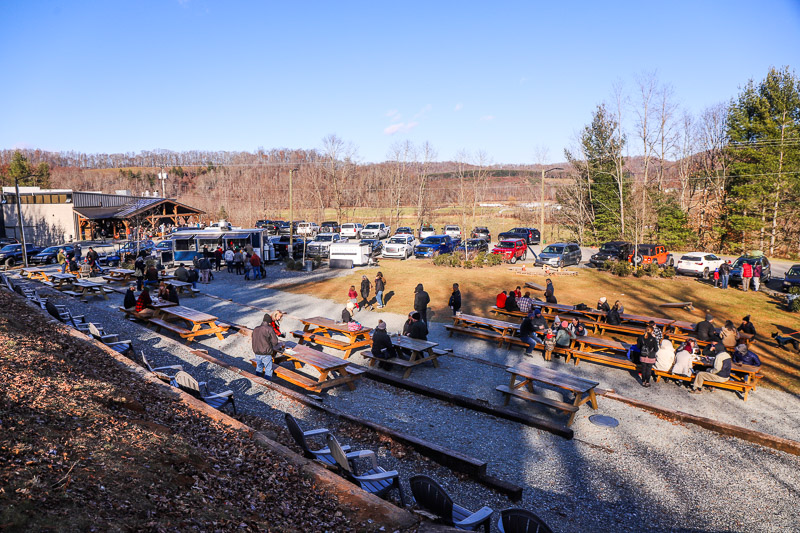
x=182 y=286
x=421 y=352
x=320 y=330
x=200 y=323
x=35 y=274
x=333 y=371
x=163 y=276
x=500 y=326
x=62 y=281
x=523 y=375
x=84 y=288
x=123 y=275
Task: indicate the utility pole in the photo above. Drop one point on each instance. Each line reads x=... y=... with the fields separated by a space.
x=291 y=214
x=21 y=225
x=162 y=177
x=541 y=206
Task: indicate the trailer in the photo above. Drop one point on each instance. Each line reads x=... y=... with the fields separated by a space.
x=350 y=254
x=188 y=245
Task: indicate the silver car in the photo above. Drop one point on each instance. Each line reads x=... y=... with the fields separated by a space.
x=560 y=254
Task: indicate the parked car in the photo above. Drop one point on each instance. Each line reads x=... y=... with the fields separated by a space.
x=736 y=270
x=321 y=245
x=560 y=254
x=401 y=246
x=435 y=245
x=529 y=235
x=652 y=253
x=612 y=251
x=280 y=243
x=404 y=230
x=472 y=247
x=274 y=227
x=453 y=231
x=375 y=230
x=134 y=247
x=375 y=246
x=49 y=255
x=308 y=229
x=699 y=264
x=263 y=223
x=481 y=232
x=791 y=278
x=11 y=254
x=425 y=231
x=330 y=226
x=286 y=228
x=352 y=230
x=7 y=240
x=512 y=250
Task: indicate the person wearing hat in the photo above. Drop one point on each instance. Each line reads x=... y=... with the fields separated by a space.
x=602 y=305
x=382 y=346
x=455 y=300
x=266 y=344
x=130 y=297
x=747 y=327
x=564 y=336
x=347 y=312
x=705 y=330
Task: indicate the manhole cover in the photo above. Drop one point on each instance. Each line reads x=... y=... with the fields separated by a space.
x=603 y=420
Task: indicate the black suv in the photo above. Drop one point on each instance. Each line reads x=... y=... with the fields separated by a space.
x=263 y=223
x=481 y=232
x=736 y=269
x=331 y=226
x=612 y=251
x=11 y=254
x=529 y=235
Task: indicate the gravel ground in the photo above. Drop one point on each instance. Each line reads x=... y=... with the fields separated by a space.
x=646 y=473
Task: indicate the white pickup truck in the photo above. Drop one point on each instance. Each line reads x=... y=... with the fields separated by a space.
x=351 y=230
x=375 y=230
x=453 y=231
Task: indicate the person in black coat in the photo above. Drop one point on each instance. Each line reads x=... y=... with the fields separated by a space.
x=365 y=288
x=347 y=312
x=407 y=324
x=421 y=301
x=705 y=330
x=648 y=346
x=418 y=329
x=511 y=302
x=550 y=293
x=130 y=298
x=602 y=305
x=382 y=346
x=612 y=317
x=747 y=327
x=455 y=299
x=172 y=294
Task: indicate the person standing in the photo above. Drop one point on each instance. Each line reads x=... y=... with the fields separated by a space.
x=455 y=300
x=255 y=263
x=757 y=271
x=747 y=274
x=365 y=288
x=421 y=301
x=724 y=274
x=229 y=260
x=550 y=293
x=648 y=347
x=218 y=258
x=265 y=344
x=62 y=260
x=380 y=286
x=238 y=261
x=205 y=270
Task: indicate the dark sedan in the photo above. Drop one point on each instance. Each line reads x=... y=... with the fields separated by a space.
x=375 y=246
x=472 y=247
x=49 y=255
x=791 y=278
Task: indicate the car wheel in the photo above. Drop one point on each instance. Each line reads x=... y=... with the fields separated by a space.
x=705 y=273
x=10 y=262
x=513 y=259
x=766 y=279
x=51 y=260
x=524 y=256
x=671 y=262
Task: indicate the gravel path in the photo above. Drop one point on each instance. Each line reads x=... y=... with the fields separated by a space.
x=646 y=473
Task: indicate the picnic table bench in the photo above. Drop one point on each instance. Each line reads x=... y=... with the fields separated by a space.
x=534 y=286
x=182 y=286
x=123 y=275
x=678 y=305
x=523 y=375
x=200 y=323
x=320 y=330
x=61 y=281
x=421 y=352
x=483 y=328
x=333 y=371
x=83 y=289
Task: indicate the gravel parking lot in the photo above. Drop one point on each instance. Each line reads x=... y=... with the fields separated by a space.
x=647 y=473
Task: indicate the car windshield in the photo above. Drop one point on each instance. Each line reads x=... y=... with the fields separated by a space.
x=324 y=238
x=507 y=244
x=426 y=228
x=164 y=245
x=11 y=248
x=645 y=249
x=610 y=248
x=451 y=228
x=50 y=250
x=397 y=240
x=474 y=243
x=373 y=226
x=794 y=271
x=691 y=258
x=403 y=230
x=432 y=240
x=742 y=260
x=553 y=250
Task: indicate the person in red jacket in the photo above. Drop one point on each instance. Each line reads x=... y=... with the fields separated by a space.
x=747 y=273
x=500 y=302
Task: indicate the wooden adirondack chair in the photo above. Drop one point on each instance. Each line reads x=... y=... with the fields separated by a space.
x=433 y=498
x=521 y=521
x=164 y=373
x=376 y=480
x=111 y=340
x=217 y=400
x=322 y=455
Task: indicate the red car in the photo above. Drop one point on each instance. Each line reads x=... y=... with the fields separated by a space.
x=511 y=249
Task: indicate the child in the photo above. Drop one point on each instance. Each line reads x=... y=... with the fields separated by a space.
x=716 y=278
x=353 y=295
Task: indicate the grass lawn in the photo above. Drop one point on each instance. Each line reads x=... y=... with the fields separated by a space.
x=639 y=295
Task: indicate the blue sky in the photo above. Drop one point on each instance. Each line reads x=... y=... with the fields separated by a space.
x=503 y=77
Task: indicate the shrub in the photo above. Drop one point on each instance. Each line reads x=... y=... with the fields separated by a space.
x=608 y=265
x=652 y=270
x=640 y=273
x=494 y=259
x=622 y=269
x=667 y=272
x=794 y=290
x=794 y=305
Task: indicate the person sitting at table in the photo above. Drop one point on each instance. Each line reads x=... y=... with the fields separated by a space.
x=747 y=327
x=277 y=316
x=665 y=356
x=743 y=356
x=602 y=305
x=382 y=346
x=407 y=324
x=94 y=268
x=172 y=294
x=347 y=312
x=130 y=297
x=729 y=335
x=518 y=292
x=181 y=274
x=511 y=302
x=577 y=328
x=527 y=333
x=648 y=346
x=705 y=330
x=656 y=331
x=194 y=277
x=539 y=323
x=163 y=291
x=500 y=300
x=524 y=303
x=683 y=359
x=73 y=267
x=550 y=292
x=564 y=336
x=151 y=276
x=144 y=305
x=721 y=371
x=612 y=317
x=418 y=329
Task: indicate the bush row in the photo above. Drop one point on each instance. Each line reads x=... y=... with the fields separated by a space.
x=624 y=269
x=479 y=261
